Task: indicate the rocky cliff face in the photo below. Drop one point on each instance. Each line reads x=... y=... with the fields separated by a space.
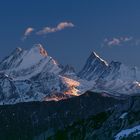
x=93 y=68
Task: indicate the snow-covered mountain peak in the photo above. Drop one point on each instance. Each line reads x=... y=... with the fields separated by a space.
x=119 y=71
x=38 y=49
x=18 y=49
x=32 y=56
x=94 y=56
x=23 y=59
x=94 y=67
x=12 y=60
x=24 y=64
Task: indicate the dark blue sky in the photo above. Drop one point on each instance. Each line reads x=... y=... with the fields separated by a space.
x=98 y=24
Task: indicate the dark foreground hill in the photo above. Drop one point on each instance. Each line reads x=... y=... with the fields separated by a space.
x=89 y=116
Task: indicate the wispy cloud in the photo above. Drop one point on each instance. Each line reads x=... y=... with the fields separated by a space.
x=59 y=27
x=47 y=30
x=113 y=42
x=27 y=32
x=119 y=41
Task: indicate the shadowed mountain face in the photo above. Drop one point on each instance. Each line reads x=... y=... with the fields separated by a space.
x=93 y=68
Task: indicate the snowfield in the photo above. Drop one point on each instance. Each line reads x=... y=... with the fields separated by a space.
x=125 y=133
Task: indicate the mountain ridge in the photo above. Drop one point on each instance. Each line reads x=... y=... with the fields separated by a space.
x=33 y=75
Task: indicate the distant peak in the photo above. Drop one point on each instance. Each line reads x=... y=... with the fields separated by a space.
x=115 y=63
x=68 y=68
x=94 y=55
x=39 y=48
x=18 y=49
